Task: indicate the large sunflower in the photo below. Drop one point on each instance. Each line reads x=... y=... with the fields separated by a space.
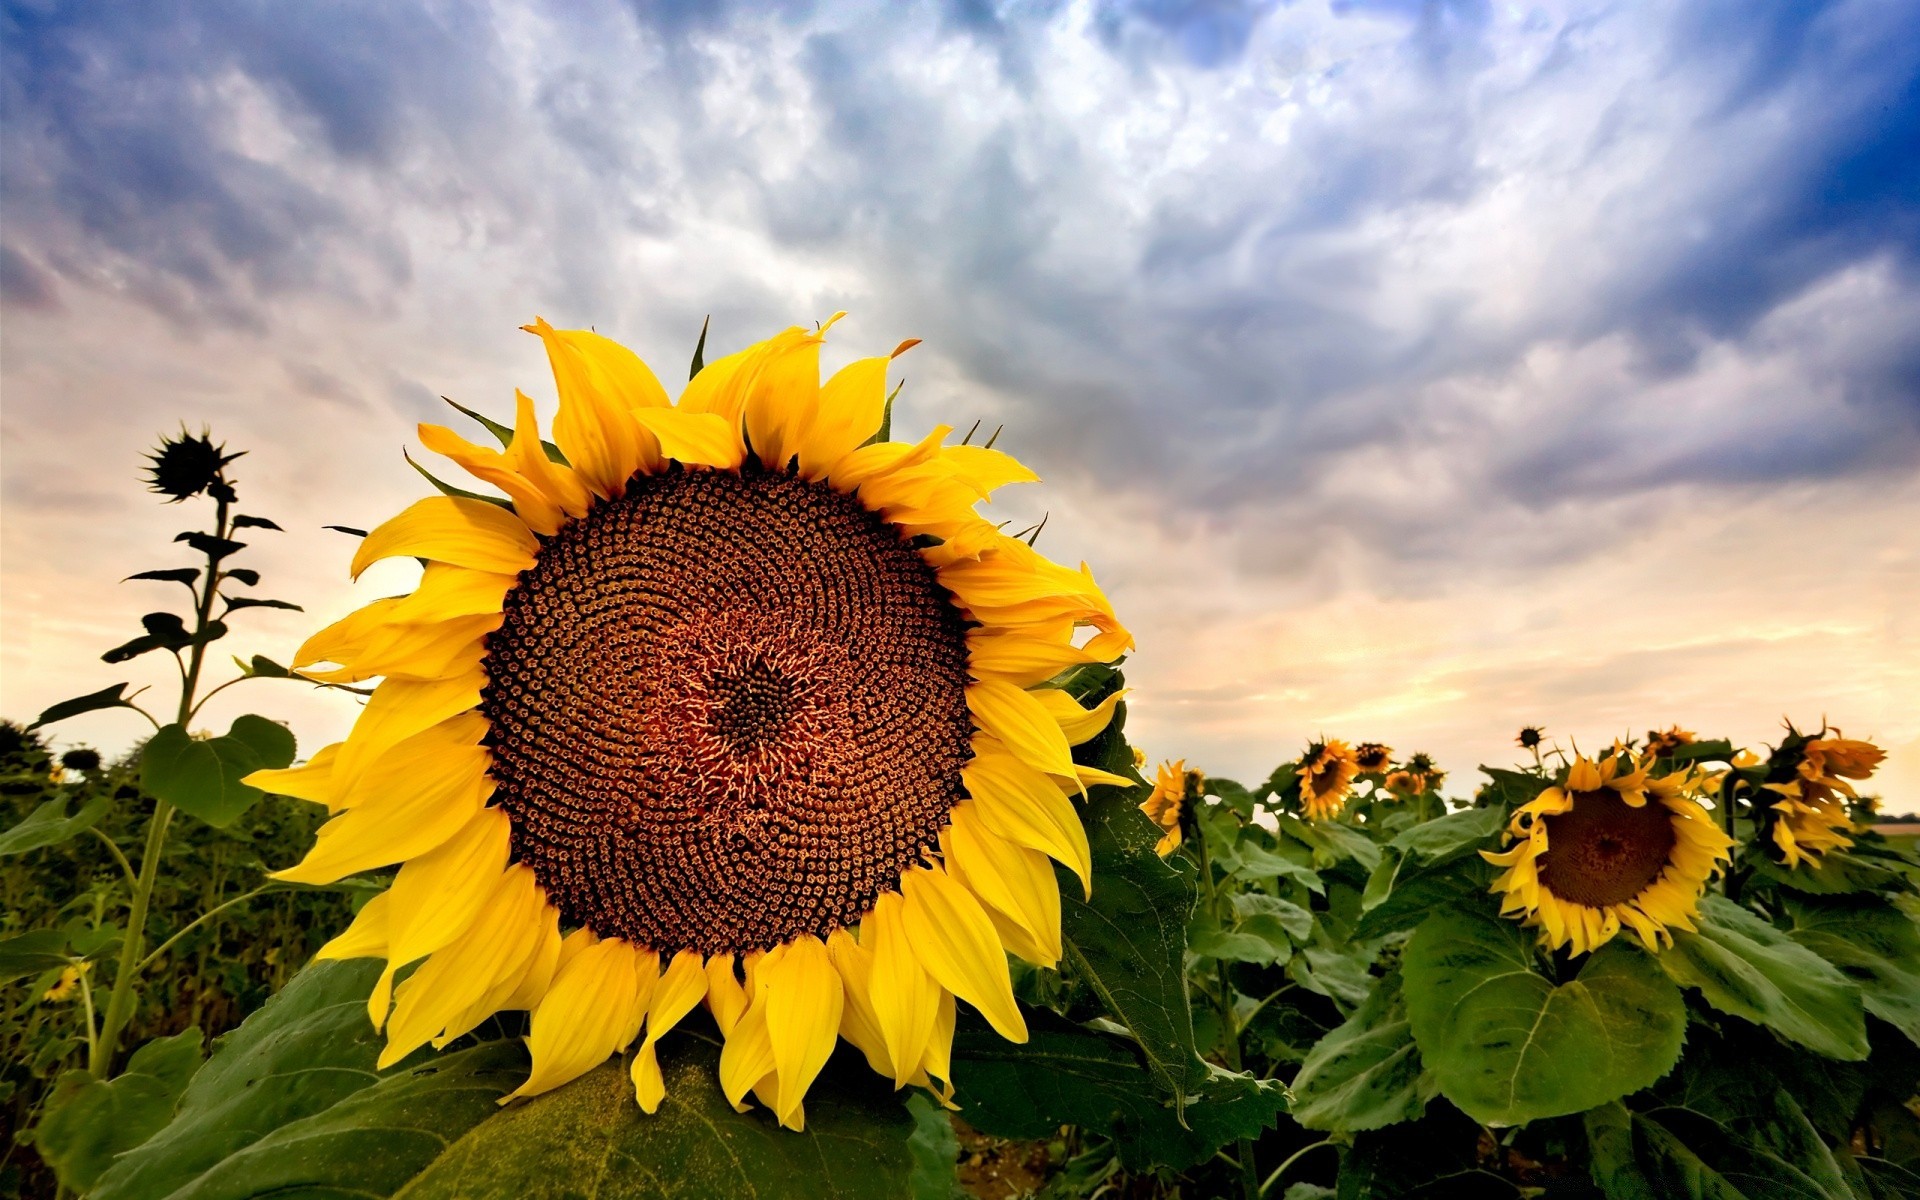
x=1608 y=846
x=731 y=703
x=1326 y=773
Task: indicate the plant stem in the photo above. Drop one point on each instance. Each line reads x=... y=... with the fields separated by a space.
x=190 y=926
x=86 y=1000
x=1229 y=1028
x=120 y=1000
x=118 y=855
x=1291 y=1159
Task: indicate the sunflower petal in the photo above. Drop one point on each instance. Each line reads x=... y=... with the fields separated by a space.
x=446 y=592
x=366 y=937
x=1022 y=805
x=1013 y=882
x=452 y=529
x=852 y=404
x=859 y=1023
x=1078 y=724
x=582 y=1018
x=399 y=709
x=492 y=951
x=312 y=780
x=682 y=986
x=1022 y=723
x=956 y=942
x=903 y=995
x=804 y=1001
x=601 y=386
x=699 y=439
x=488 y=465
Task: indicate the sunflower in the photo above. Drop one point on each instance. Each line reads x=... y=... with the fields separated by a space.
x=1663 y=742
x=66 y=985
x=1168 y=802
x=1415 y=776
x=1371 y=758
x=731 y=703
x=1811 y=817
x=1326 y=773
x=1530 y=737
x=1606 y=847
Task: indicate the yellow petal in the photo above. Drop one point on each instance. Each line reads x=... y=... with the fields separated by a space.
x=956 y=942
x=1024 y=806
x=985 y=470
x=437 y=897
x=747 y=1057
x=399 y=709
x=939 y=1060
x=699 y=439
x=528 y=455
x=1023 y=658
x=1078 y=724
x=542 y=965
x=782 y=401
x=490 y=466
x=859 y=1023
x=447 y=591
x=583 y=1017
x=1022 y=723
x=726 y=999
x=491 y=953
x=682 y=986
x=851 y=406
x=903 y=995
x=312 y=780
x=452 y=529
x=602 y=386
x=437 y=650
x=418 y=795
x=366 y=937
x=1014 y=882
x=345 y=639
x=521 y=986
x=804 y=1000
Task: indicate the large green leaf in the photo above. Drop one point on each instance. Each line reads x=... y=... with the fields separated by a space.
x=1684 y=1155
x=88 y=1121
x=1366 y=1074
x=49 y=824
x=310 y=1047
x=1128 y=941
x=1744 y=966
x=591 y=1141
x=1066 y=1075
x=1875 y=944
x=1509 y=1045
x=32 y=952
x=936 y=1151
x=1444 y=839
x=201 y=776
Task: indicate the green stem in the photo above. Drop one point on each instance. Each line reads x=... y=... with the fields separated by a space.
x=1229 y=1028
x=198 y=921
x=119 y=856
x=120 y=1001
x=86 y=1001
x=1291 y=1159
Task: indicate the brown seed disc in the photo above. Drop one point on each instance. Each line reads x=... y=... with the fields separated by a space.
x=1604 y=850
x=725 y=710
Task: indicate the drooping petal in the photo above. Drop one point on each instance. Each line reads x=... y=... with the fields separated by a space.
x=1021 y=804
x=490 y=955
x=398 y=709
x=437 y=897
x=312 y=780
x=1078 y=724
x=452 y=529
x=957 y=944
x=446 y=592
x=859 y=1023
x=903 y=995
x=366 y=937
x=1014 y=882
x=804 y=1000
x=726 y=999
x=1022 y=723
x=521 y=987
x=346 y=639
x=682 y=986
x=583 y=1018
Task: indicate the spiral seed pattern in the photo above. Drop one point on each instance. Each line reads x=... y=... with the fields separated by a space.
x=725 y=710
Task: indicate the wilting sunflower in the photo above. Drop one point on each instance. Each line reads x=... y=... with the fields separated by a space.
x=1371 y=758
x=1662 y=742
x=1810 y=817
x=1168 y=802
x=732 y=703
x=1326 y=772
x=1606 y=847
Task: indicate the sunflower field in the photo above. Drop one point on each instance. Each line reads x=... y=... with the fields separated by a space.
x=733 y=808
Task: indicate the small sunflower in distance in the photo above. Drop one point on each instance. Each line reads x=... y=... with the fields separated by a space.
x=1663 y=742
x=182 y=467
x=1607 y=847
x=1167 y=804
x=1530 y=737
x=1371 y=758
x=1326 y=773
x=1415 y=776
x=729 y=702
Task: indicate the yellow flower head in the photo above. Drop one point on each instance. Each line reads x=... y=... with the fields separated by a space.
x=727 y=701
x=1418 y=775
x=64 y=987
x=1662 y=742
x=1168 y=801
x=1606 y=848
x=1326 y=774
x=1372 y=758
x=1831 y=762
x=1809 y=820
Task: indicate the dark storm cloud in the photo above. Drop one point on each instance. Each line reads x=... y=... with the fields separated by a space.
x=1227 y=255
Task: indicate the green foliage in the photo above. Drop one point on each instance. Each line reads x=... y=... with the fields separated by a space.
x=1367 y=1073
x=1508 y=1044
x=89 y=1121
x=201 y=777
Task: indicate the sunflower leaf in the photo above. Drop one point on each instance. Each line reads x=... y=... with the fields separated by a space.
x=1367 y=1073
x=201 y=777
x=1742 y=965
x=186 y=575
x=245 y=522
x=89 y=1121
x=234 y=602
x=1508 y=1045
x=107 y=697
x=1874 y=944
x=32 y=952
x=49 y=824
x=1067 y=1075
x=215 y=548
x=589 y=1139
x=242 y=574
x=699 y=363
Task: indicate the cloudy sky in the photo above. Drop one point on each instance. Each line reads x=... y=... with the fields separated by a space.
x=1406 y=370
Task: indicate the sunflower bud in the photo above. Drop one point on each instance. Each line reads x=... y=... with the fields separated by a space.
x=187 y=465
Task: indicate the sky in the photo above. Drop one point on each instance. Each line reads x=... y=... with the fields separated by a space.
x=1406 y=371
